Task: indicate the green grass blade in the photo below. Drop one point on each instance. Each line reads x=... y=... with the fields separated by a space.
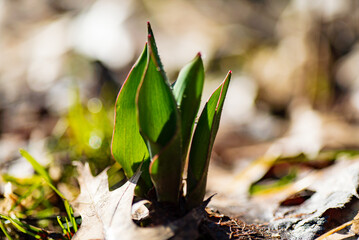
x=188 y=92
x=128 y=147
x=68 y=225
x=64 y=230
x=2 y=227
x=70 y=214
x=37 y=166
x=41 y=171
x=202 y=144
x=23 y=227
x=159 y=123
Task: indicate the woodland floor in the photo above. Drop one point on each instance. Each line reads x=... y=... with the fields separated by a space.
x=285 y=164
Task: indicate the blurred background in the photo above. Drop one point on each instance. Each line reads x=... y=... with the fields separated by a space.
x=295 y=87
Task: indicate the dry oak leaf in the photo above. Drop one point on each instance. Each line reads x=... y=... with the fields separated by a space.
x=107 y=215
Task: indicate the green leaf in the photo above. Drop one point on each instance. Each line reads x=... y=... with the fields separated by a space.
x=160 y=126
x=157 y=109
x=202 y=144
x=128 y=146
x=188 y=92
x=166 y=171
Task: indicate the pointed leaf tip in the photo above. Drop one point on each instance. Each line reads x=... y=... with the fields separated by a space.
x=153 y=52
x=149 y=28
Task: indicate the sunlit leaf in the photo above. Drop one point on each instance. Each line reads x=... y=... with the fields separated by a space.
x=128 y=147
x=157 y=110
x=188 y=92
x=159 y=123
x=202 y=144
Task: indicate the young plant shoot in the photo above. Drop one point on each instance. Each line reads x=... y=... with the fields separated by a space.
x=154 y=124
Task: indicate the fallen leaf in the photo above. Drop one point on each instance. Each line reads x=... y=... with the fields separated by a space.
x=334 y=203
x=107 y=215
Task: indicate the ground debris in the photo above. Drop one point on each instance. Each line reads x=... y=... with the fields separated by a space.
x=219 y=226
x=334 y=201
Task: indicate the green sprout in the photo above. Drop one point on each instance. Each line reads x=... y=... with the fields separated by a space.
x=44 y=174
x=154 y=123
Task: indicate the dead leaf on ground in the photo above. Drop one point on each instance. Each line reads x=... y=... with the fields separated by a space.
x=334 y=202
x=107 y=215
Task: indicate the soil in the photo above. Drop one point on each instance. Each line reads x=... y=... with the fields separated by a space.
x=212 y=224
x=220 y=227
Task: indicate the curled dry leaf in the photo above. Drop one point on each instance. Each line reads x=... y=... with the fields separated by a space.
x=140 y=210
x=107 y=215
